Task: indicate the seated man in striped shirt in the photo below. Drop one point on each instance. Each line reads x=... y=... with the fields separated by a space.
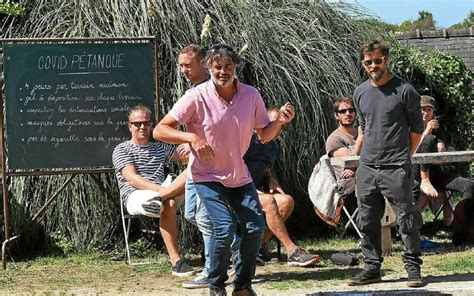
x=139 y=168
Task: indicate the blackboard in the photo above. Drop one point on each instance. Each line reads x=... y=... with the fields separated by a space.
x=66 y=105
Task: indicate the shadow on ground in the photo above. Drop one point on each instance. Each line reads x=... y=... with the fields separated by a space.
x=377 y=293
x=386 y=287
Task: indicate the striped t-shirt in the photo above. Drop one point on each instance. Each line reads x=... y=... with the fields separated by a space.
x=148 y=161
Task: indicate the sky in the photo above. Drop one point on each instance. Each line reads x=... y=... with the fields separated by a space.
x=445 y=12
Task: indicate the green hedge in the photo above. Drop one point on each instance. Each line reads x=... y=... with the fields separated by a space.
x=446 y=78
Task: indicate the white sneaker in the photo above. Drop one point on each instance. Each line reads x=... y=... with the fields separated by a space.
x=200 y=281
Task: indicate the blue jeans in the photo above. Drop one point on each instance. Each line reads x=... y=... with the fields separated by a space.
x=219 y=202
x=196 y=213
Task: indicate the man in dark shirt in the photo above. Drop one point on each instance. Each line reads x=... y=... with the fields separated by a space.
x=389 y=115
x=430 y=178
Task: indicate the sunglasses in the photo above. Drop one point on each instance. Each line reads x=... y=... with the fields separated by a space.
x=344 y=111
x=138 y=124
x=374 y=61
x=223 y=50
x=217 y=47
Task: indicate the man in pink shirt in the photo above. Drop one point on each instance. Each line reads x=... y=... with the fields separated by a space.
x=220 y=116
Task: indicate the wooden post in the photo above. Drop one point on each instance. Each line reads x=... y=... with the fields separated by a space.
x=388 y=219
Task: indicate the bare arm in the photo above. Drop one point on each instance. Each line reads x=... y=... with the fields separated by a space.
x=130 y=174
x=344 y=152
x=414 y=142
x=274 y=185
x=176 y=188
x=269 y=132
x=166 y=131
x=272 y=130
x=430 y=126
x=341 y=152
x=359 y=140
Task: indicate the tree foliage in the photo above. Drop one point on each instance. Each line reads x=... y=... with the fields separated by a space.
x=382 y=27
x=11 y=8
x=425 y=21
x=445 y=77
x=406 y=26
x=465 y=23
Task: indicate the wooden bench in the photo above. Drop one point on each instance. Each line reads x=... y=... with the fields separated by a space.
x=418 y=158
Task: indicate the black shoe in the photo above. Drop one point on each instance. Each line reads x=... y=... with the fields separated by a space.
x=414 y=279
x=263 y=255
x=181 y=268
x=244 y=292
x=365 y=277
x=215 y=291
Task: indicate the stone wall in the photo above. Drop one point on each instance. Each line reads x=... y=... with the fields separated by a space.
x=458 y=42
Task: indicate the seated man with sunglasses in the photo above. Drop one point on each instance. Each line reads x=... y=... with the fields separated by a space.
x=341 y=143
x=139 y=169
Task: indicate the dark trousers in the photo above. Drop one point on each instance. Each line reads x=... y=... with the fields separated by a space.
x=395 y=183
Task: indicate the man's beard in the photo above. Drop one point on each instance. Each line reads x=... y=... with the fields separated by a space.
x=221 y=83
x=378 y=75
x=347 y=124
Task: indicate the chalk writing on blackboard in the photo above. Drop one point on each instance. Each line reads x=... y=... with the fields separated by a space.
x=67 y=104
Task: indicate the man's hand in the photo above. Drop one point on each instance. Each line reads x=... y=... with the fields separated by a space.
x=347 y=173
x=428 y=189
x=430 y=126
x=287 y=113
x=275 y=187
x=203 y=150
x=183 y=150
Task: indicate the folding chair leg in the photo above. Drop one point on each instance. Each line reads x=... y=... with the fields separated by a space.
x=351 y=221
x=441 y=209
x=126 y=223
x=126 y=231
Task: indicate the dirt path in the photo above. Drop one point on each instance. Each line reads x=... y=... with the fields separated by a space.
x=446 y=272
x=462 y=284
x=438 y=285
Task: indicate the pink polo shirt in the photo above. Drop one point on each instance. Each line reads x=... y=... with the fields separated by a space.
x=227 y=128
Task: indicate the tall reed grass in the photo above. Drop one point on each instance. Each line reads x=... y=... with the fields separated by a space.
x=304 y=52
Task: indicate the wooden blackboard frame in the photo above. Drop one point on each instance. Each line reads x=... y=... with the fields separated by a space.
x=7 y=173
x=98 y=115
